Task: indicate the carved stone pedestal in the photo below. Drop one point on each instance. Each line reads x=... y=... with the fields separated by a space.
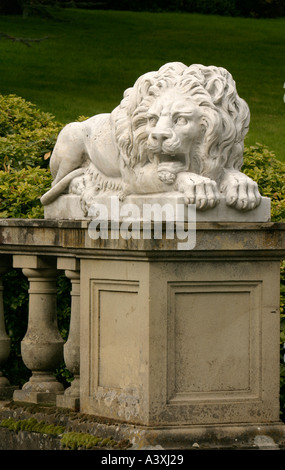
x=187 y=341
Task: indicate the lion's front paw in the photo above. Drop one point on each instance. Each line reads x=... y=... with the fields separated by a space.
x=198 y=190
x=241 y=191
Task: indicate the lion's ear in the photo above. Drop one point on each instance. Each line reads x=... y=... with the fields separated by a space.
x=216 y=88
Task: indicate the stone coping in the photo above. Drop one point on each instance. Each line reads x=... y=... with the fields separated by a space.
x=83 y=224
x=71 y=238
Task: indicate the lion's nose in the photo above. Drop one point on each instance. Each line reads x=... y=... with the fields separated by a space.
x=161 y=134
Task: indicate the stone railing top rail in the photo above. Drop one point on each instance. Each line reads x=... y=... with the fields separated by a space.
x=73 y=238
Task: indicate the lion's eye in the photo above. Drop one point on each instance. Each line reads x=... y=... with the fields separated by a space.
x=152 y=121
x=181 y=120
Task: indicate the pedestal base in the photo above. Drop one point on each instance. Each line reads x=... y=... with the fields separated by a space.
x=41 y=388
x=188 y=340
x=35 y=397
x=65 y=401
x=231 y=437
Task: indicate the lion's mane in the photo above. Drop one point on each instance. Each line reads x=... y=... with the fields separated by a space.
x=225 y=115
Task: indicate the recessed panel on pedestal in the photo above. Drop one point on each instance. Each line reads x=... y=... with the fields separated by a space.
x=213 y=341
x=115 y=356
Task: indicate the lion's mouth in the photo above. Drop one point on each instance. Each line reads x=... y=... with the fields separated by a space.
x=173 y=163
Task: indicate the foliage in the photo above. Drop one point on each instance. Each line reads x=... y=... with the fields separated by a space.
x=63 y=318
x=209 y=7
x=63 y=304
x=27 y=135
x=20 y=192
x=282 y=341
x=261 y=8
x=255 y=8
x=262 y=166
x=248 y=8
x=12 y=7
x=15 y=298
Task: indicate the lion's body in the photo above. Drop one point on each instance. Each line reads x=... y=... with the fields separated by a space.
x=80 y=143
x=180 y=128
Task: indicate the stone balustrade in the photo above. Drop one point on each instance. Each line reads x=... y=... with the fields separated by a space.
x=138 y=314
x=42 y=347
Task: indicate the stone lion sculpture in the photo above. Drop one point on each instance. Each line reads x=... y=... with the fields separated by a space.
x=177 y=129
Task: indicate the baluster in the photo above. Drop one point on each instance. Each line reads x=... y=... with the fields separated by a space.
x=42 y=346
x=71 y=397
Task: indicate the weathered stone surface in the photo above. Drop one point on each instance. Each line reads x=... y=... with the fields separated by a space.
x=53 y=237
x=24 y=440
x=133 y=437
x=192 y=353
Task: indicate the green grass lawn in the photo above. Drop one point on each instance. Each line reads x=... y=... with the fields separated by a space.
x=91 y=57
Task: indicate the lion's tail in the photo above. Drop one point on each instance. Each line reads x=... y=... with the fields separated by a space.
x=59 y=187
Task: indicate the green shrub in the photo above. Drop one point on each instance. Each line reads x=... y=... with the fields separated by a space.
x=15 y=298
x=248 y=8
x=263 y=167
x=20 y=192
x=282 y=342
x=27 y=135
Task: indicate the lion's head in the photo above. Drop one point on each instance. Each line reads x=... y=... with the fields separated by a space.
x=189 y=117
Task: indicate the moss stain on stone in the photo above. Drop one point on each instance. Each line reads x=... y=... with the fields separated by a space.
x=70 y=440
x=76 y=440
x=32 y=425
